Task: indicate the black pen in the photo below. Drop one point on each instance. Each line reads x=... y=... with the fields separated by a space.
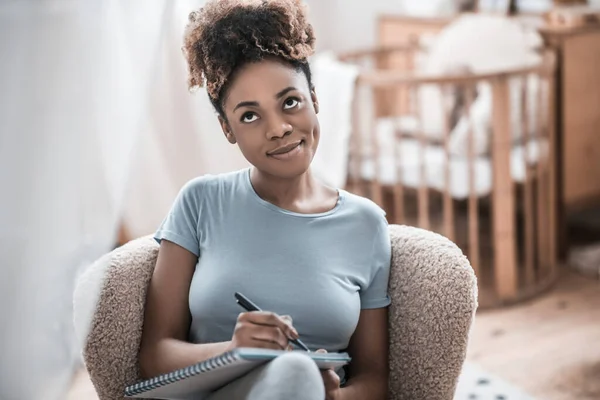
x=250 y=306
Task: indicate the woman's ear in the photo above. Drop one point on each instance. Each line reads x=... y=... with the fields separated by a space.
x=227 y=130
x=313 y=96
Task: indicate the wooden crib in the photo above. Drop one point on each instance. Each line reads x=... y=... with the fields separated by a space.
x=498 y=204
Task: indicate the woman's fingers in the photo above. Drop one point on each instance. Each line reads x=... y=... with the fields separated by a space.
x=270 y=319
x=270 y=334
x=287 y=319
x=331 y=380
x=247 y=334
x=263 y=329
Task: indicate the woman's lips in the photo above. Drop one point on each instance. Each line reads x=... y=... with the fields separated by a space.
x=287 y=151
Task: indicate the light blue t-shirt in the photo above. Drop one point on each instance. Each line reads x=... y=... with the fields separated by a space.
x=321 y=269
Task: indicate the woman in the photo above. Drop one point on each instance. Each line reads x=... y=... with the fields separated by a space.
x=296 y=247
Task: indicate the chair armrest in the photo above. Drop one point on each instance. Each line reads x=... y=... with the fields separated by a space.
x=434 y=299
x=109 y=302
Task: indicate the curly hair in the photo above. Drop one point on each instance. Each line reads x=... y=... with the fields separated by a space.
x=224 y=35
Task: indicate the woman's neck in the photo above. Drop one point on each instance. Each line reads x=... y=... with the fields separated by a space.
x=303 y=194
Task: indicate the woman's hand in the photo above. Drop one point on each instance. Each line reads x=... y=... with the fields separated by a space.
x=331 y=380
x=264 y=330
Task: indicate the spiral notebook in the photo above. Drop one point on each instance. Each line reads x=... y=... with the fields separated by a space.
x=200 y=379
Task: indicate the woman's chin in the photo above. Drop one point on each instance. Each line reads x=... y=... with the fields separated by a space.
x=290 y=170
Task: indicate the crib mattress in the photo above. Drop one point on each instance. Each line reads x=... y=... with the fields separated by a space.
x=406 y=167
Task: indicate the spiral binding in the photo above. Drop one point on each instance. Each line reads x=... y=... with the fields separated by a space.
x=172 y=377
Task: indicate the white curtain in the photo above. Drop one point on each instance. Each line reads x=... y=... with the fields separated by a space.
x=181 y=138
x=96 y=126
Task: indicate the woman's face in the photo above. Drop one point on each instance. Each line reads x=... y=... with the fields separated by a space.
x=272 y=116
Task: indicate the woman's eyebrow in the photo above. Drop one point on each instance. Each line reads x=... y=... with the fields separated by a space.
x=246 y=104
x=279 y=95
x=283 y=92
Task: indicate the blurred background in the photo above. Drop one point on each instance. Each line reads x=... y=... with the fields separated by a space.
x=475 y=119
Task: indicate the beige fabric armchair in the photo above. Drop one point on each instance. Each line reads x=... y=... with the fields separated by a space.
x=434 y=299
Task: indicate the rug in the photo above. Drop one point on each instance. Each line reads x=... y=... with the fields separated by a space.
x=477 y=384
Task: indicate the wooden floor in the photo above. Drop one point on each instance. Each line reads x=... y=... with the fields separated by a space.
x=549 y=347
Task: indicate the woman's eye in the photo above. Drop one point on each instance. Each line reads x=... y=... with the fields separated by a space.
x=249 y=117
x=290 y=103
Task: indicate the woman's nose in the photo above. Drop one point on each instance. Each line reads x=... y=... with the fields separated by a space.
x=278 y=129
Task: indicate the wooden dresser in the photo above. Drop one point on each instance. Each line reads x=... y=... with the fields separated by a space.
x=578 y=114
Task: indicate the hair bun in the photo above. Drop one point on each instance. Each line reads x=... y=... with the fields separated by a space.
x=226 y=33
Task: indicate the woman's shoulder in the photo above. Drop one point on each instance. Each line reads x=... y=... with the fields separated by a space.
x=209 y=184
x=364 y=209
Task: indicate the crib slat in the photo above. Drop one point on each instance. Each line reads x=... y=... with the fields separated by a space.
x=382 y=95
x=356 y=145
x=542 y=194
x=376 y=189
x=473 y=206
x=505 y=266
x=398 y=191
x=550 y=137
x=352 y=176
x=448 y=205
x=423 y=192
x=528 y=186
x=403 y=92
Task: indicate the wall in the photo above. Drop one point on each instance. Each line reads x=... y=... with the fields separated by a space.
x=343 y=25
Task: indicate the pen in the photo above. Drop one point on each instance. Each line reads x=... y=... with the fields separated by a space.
x=248 y=305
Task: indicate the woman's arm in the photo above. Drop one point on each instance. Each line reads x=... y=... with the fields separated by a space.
x=368 y=371
x=164 y=345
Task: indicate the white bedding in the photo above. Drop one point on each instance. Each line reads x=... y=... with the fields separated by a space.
x=435 y=161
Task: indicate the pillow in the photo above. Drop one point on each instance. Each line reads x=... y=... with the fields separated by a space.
x=482 y=43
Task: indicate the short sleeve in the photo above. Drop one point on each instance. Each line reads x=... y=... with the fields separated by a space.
x=181 y=223
x=375 y=295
